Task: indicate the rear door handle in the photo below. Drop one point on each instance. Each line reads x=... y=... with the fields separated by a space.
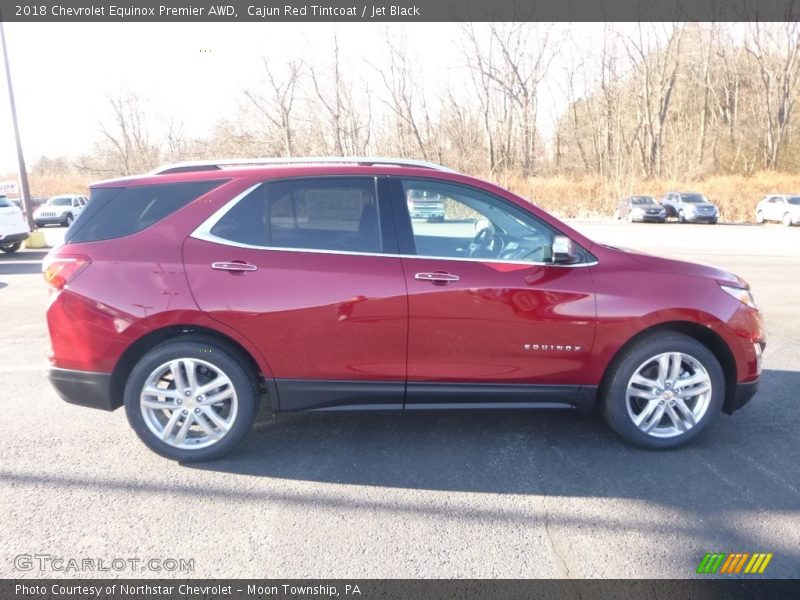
x=234 y=266
x=436 y=277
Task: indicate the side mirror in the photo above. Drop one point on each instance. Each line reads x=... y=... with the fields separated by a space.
x=564 y=251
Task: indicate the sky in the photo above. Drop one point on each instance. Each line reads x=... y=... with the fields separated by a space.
x=63 y=74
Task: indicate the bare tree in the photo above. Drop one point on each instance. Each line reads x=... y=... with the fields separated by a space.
x=776 y=51
x=278 y=103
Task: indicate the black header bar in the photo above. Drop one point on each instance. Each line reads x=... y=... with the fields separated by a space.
x=380 y=11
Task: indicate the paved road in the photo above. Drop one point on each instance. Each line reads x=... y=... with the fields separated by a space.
x=506 y=494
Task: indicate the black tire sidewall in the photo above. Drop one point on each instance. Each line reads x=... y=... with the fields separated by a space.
x=614 y=401
x=243 y=381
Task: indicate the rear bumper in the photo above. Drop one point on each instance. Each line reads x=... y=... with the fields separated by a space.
x=85 y=388
x=13 y=238
x=744 y=392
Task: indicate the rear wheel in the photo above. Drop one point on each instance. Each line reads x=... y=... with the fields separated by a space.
x=787 y=220
x=191 y=400
x=664 y=391
x=759 y=217
x=11 y=248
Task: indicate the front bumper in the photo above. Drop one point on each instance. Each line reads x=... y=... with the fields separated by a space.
x=744 y=392
x=49 y=220
x=13 y=238
x=85 y=388
x=702 y=218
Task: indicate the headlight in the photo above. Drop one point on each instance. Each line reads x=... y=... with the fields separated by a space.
x=742 y=295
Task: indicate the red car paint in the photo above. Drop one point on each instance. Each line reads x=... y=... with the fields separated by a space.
x=330 y=317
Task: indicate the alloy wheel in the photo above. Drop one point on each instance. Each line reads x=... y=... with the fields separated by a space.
x=668 y=394
x=188 y=403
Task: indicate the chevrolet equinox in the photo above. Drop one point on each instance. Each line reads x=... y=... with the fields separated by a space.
x=189 y=293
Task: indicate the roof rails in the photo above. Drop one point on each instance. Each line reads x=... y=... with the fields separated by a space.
x=214 y=165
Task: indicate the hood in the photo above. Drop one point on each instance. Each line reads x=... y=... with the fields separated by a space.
x=658 y=264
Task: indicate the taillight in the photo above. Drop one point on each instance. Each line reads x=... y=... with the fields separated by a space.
x=60 y=270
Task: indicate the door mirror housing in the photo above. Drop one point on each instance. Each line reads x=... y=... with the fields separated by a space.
x=564 y=250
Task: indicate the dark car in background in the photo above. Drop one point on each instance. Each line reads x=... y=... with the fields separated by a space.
x=641 y=208
x=690 y=207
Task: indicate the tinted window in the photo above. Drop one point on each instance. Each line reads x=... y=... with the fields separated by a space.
x=60 y=202
x=5 y=203
x=478 y=225
x=117 y=212
x=794 y=200
x=313 y=214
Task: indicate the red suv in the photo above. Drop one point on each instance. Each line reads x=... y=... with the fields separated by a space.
x=189 y=293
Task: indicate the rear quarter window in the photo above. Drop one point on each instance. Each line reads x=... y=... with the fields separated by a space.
x=118 y=212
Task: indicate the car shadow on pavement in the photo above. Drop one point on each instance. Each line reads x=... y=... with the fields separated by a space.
x=747 y=464
x=752 y=454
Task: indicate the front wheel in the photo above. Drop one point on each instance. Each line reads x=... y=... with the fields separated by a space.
x=681 y=217
x=11 y=248
x=663 y=391
x=68 y=220
x=760 y=217
x=191 y=400
x=787 y=220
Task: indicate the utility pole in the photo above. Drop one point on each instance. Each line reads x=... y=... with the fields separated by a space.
x=23 y=174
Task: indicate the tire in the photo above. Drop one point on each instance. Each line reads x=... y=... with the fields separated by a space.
x=630 y=217
x=11 y=248
x=68 y=220
x=760 y=218
x=620 y=407
x=787 y=220
x=236 y=411
x=681 y=217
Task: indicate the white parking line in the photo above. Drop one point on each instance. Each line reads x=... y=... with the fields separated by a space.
x=23 y=368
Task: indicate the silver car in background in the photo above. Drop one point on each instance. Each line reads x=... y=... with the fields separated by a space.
x=690 y=207
x=784 y=208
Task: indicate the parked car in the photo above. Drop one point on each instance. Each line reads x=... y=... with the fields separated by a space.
x=424 y=206
x=187 y=293
x=641 y=208
x=60 y=210
x=783 y=208
x=690 y=207
x=13 y=228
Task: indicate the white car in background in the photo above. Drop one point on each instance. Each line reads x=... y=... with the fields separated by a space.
x=13 y=228
x=783 y=208
x=60 y=210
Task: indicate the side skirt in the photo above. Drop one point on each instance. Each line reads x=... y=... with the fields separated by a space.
x=329 y=395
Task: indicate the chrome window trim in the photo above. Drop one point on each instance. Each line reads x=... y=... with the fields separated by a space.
x=203 y=232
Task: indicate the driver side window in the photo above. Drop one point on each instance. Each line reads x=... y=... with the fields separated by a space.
x=455 y=221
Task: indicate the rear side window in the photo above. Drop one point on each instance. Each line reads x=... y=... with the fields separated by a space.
x=338 y=214
x=117 y=212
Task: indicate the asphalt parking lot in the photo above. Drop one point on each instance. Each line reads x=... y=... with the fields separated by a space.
x=471 y=494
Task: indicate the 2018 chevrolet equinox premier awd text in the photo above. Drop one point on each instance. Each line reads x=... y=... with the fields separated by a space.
x=188 y=293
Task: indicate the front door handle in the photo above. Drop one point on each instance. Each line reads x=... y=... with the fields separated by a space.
x=234 y=266
x=437 y=277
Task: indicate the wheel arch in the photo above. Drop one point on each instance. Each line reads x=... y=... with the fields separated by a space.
x=150 y=340
x=705 y=335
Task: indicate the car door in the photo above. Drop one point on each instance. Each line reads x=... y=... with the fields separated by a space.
x=491 y=319
x=307 y=270
x=777 y=208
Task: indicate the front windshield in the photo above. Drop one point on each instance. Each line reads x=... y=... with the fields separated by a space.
x=693 y=198
x=59 y=202
x=794 y=200
x=641 y=200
